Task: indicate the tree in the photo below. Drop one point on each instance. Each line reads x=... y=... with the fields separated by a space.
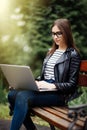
x=13 y=48
x=43 y=15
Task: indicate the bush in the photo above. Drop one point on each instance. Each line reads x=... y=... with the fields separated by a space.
x=3 y=95
x=82 y=99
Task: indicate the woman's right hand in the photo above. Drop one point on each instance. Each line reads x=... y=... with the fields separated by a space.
x=43 y=84
x=11 y=88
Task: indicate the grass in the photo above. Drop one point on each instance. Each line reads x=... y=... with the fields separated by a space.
x=4 y=111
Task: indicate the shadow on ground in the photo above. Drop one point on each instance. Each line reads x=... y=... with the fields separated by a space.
x=5 y=125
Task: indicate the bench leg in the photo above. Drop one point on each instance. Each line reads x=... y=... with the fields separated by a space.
x=52 y=127
x=72 y=124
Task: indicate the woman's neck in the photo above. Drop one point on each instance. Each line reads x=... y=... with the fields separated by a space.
x=63 y=48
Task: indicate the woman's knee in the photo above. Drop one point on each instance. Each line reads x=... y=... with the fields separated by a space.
x=12 y=96
x=21 y=97
x=21 y=101
x=25 y=97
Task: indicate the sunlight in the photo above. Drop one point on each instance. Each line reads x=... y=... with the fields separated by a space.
x=4 y=6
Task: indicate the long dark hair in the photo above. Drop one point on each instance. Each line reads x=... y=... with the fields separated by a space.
x=65 y=27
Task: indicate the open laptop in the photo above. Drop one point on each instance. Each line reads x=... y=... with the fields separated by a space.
x=19 y=77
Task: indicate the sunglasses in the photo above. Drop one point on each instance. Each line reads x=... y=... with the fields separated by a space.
x=58 y=34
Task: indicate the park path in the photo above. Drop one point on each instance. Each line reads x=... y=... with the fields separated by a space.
x=5 y=125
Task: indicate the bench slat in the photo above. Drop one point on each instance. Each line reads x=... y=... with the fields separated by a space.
x=65 y=111
x=53 y=119
x=62 y=115
x=83 y=66
x=61 y=109
x=82 y=80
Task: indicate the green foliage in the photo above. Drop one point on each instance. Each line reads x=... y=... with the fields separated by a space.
x=3 y=95
x=43 y=15
x=11 y=53
x=82 y=99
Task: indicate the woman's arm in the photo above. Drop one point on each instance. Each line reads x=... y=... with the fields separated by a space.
x=70 y=85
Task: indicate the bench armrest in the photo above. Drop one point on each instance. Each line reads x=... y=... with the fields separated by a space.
x=77 y=107
x=79 y=110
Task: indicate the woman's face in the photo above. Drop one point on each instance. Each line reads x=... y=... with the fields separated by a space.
x=58 y=37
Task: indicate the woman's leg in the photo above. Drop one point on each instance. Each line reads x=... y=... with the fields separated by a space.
x=28 y=123
x=27 y=99
x=48 y=98
x=21 y=109
x=11 y=100
x=43 y=99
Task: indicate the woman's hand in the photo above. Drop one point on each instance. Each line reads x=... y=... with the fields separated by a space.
x=45 y=85
x=10 y=88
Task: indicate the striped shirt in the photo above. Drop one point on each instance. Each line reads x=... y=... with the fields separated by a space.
x=49 y=69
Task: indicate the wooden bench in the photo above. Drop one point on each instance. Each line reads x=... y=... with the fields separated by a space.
x=58 y=116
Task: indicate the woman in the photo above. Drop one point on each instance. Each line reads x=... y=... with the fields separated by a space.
x=59 y=76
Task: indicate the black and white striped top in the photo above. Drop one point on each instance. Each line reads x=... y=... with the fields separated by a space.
x=49 y=70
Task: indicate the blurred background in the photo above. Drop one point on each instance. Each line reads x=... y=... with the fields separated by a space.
x=25 y=32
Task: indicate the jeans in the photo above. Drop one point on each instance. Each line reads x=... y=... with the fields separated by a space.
x=22 y=101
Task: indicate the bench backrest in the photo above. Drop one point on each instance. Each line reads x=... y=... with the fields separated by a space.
x=82 y=81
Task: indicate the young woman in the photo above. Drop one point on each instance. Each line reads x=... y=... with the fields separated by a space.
x=59 y=76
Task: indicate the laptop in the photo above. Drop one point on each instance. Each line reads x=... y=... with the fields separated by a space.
x=19 y=77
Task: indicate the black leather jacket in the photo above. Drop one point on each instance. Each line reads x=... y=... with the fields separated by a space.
x=65 y=71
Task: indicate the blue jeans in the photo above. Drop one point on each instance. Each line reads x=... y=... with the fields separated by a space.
x=22 y=101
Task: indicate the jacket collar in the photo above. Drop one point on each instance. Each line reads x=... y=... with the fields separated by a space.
x=66 y=55
x=63 y=57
